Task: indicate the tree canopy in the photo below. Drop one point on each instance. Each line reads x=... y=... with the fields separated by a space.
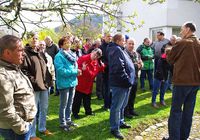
x=17 y=14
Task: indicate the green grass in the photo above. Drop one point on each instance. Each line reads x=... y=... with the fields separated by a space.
x=97 y=127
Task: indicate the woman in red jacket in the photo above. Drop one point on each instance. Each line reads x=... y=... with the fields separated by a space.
x=90 y=66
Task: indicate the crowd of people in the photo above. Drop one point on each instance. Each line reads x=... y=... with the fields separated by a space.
x=30 y=74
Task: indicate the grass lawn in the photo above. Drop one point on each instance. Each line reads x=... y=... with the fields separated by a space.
x=97 y=127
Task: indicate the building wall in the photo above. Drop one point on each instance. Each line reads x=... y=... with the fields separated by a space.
x=171 y=14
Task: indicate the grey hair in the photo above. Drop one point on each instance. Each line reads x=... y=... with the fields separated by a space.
x=8 y=42
x=98 y=51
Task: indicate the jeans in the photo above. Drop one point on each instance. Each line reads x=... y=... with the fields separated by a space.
x=41 y=101
x=119 y=101
x=143 y=76
x=180 y=119
x=66 y=101
x=157 y=84
x=9 y=134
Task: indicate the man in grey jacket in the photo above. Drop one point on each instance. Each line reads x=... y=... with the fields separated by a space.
x=17 y=106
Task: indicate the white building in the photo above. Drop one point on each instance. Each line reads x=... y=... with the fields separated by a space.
x=167 y=17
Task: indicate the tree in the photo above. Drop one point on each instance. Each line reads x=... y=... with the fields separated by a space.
x=17 y=14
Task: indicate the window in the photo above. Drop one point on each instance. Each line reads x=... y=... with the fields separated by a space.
x=154 y=33
x=176 y=31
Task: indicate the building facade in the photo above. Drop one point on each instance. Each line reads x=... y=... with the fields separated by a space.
x=167 y=17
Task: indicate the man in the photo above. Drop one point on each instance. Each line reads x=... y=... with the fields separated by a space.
x=52 y=50
x=122 y=77
x=146 y=53
x=157 y=45
x=17 y=106
x=34 y=66
x=106 y=89
x=185 y=56
x=136 y=59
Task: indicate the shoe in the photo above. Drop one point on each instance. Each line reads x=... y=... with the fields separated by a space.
x=133 y=113
x=66 y=128
x=124 y=125
x=163 y=103
x=155 y=105
x=117 y=134
x=164 y=138
x=35 y=138
x=127 y=115
x=71 y=123
x=47 y=133
x=76 y=116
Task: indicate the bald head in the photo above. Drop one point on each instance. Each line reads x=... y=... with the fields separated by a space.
x=130 y=44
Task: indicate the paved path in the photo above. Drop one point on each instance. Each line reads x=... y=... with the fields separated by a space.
x=159 y=130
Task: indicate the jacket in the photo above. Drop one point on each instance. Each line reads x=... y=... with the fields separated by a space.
x=17 y=101
x=34 y=66
x=66 y=71
x=147 y=56
x=185 y=70
x=85 y=81
x=121 y=68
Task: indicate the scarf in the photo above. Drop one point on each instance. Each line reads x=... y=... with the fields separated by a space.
x=69 y=55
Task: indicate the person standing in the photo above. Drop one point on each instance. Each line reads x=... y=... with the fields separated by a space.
x=17 y=101
x=146 y=53
x=185 y=56
x=106 y=88
x=52 y=49
x=121 y=76
x=90 y=68
x=34 y=66
x=66 y=79
x=129 y=111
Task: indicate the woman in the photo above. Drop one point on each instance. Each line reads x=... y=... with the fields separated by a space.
x=66 y=78
x=90 y=67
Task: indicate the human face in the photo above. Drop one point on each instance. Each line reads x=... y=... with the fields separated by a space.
x=184 y=32
x=66 y=44
x=95 y=56
x=34 y=41
x=121 y=42
x=130 y=45
x=107 y=38
x=17 y=55
x=159 y=36
x=147 y=42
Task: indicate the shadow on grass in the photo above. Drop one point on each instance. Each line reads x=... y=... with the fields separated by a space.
x=94 y=131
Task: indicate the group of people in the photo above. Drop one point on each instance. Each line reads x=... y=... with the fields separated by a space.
x=29 y=74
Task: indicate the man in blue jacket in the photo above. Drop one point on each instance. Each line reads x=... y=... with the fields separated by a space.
x=121 y=76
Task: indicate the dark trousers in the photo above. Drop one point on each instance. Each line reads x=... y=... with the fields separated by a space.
x=149 y=74
x=99 y=85
x=106 y=91
x=131 y=101
x=180 y=119
x=78 y=98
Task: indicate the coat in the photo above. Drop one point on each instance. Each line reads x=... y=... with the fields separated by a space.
x=185 y=72
x=85 y=81
x=66 y=71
